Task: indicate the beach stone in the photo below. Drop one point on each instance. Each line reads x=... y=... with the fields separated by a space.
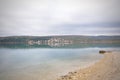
x=70 y=72
x=75 y=72
x=98 y=75
x=70 y=77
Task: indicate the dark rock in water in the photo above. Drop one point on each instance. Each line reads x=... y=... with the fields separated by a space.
x=102 y=51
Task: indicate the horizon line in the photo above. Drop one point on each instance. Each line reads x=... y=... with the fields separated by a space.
x=54 y=35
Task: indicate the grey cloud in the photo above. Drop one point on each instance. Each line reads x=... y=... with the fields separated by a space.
x=45 y=17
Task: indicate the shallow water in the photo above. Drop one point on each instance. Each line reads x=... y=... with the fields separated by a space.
x=45 y=63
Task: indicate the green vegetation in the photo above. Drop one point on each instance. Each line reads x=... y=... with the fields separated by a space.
x=74 y=39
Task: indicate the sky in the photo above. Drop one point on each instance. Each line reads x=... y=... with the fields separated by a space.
x=59 y=17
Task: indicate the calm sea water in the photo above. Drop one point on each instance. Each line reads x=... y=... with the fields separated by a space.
x=44 y=63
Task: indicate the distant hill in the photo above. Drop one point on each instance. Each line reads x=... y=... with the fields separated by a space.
x=75 y=39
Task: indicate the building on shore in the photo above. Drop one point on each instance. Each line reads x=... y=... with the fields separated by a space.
x=51 y=42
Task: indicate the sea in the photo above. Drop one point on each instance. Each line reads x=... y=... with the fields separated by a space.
x=19 y=62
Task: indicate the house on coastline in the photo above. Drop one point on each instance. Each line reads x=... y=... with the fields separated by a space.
x=51 y=42
x=57 y=42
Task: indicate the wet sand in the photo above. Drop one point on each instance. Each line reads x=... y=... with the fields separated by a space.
x=108 y=68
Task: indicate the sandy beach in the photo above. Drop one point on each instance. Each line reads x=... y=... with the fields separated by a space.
x=108 y=68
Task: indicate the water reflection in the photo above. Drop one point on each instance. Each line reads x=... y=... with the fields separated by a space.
x=57 y=45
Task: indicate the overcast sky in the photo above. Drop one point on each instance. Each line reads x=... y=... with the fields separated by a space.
x=59 y=17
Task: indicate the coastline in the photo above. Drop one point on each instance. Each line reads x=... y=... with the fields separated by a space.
x=105 y=69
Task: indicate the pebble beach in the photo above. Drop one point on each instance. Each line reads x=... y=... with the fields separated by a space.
x=108 y=68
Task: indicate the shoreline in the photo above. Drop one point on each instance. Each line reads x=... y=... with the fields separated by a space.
x=105 y=69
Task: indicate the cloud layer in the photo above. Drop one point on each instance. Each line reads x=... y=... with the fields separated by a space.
x=59 y=17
